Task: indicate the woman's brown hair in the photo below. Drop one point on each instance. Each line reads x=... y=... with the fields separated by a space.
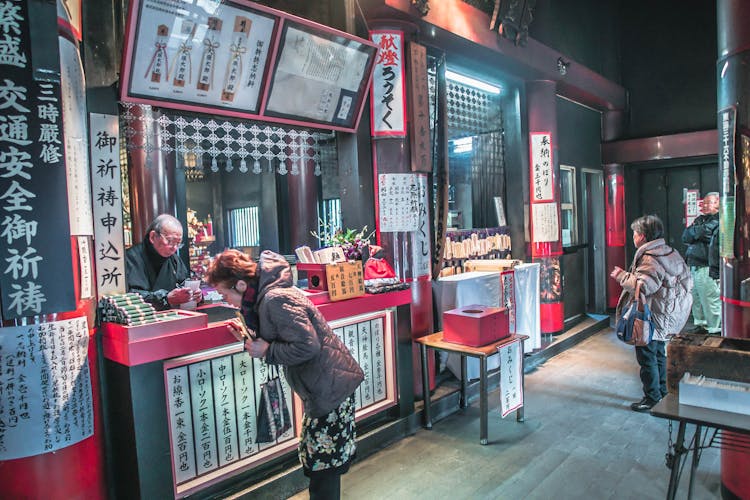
x=231 y=266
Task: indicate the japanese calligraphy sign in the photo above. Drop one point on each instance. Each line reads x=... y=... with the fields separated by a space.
x=388 y=90
x=73 y=90
x=212 y=408
x=421 y=237
x=692 y=204
x=421 y=146
x=542 y=181
x=398 y=202
x=511 y=378
x=107 y=199
x=46 y=402
x=727 y=177
x=35 y=248
x=544 y=208
x=345 y=280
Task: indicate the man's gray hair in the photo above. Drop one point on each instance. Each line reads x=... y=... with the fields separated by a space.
x=160 y=221
x=712 y=193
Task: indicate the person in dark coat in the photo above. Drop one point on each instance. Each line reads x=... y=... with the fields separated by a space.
x=155 y=271
x=706 y=296
x=290 y=331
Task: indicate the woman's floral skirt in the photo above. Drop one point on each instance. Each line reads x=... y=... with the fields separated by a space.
x=329 y=442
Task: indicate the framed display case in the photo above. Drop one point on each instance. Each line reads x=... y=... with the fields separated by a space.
x=241 y=59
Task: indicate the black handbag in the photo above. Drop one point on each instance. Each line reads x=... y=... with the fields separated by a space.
x=273 y=411
x=635 y=327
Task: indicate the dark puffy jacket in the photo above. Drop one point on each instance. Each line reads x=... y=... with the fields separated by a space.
x=713 y=255
x=665 y=282
x=697 y=237
x=317 y=364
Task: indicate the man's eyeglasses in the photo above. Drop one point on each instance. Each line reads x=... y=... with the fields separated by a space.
x=171 y=242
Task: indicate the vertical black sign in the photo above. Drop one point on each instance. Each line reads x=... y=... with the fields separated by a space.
x=35 y=255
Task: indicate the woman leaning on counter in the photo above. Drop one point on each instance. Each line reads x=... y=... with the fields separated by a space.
x=290 y=331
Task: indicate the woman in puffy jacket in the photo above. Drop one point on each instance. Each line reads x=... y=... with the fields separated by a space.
x=666 y=285
x=290 y=331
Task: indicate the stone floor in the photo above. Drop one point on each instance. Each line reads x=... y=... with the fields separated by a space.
x=580 y=440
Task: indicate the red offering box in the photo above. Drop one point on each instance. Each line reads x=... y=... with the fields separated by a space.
x=184 y=321
x=316 y=276
x=475 y=325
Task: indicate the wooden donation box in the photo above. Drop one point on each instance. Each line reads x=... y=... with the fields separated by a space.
x=316 y=276
x=475 y=325
x=345 y=280
x=707 y=355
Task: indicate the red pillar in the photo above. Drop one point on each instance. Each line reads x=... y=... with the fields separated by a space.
x=614 y=206
x=733 y=19
x=546 y=248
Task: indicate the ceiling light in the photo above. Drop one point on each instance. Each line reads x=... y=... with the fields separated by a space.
x=472 y=82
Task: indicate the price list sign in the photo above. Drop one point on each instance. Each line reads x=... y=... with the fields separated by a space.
x=37 y=276
x=345 y=280
x=398 y=198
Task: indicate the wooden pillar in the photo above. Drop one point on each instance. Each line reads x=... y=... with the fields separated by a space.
x=544 y=208
x=733 y=123
x=152 y=172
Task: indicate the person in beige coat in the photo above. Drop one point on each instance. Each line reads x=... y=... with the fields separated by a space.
x=666 y=285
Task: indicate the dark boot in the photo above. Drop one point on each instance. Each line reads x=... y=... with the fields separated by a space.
x=325 y=485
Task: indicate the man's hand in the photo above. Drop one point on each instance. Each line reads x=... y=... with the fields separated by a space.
x=179 y=296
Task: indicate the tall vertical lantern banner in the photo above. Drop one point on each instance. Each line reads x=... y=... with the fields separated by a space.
x=419 y=100
x=388 y=102
x=37 y=273
x=544 y=215
x=107 y=200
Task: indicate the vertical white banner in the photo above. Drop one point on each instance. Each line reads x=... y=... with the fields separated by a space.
x=421 y=239
x=109 y=249
x=388 y=91
x=181 y=424
x=84 y=258
x=511 y=387
x=73 y=88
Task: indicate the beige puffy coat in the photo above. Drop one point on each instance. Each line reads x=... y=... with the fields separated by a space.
x=665 y=282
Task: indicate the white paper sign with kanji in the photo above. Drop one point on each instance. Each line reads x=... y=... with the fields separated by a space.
x=398 y=197
x=511 y=378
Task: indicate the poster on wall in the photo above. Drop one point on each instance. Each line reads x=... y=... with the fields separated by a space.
x=727 y=217
x=319 y=77
x=398 y=199
x=421 y=145
x=37 y=274
x=388 y=101
x=46 y=402
x=692 y=206
x=544 y=222
x=542 y=178
x=107 y=198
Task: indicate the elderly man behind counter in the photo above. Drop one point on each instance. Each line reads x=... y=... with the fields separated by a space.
x=155 y=271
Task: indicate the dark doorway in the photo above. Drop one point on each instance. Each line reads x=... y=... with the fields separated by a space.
x=593 y=237
x=661 y=190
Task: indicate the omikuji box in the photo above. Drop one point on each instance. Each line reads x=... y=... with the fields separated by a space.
x=475 y=325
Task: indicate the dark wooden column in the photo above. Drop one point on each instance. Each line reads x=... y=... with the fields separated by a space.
x=152 y=173
x=614 y=205
x=733 y=123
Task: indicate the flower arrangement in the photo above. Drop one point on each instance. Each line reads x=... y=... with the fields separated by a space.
x=352 y=242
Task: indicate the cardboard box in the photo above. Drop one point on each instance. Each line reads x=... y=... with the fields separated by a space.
x=475 y=325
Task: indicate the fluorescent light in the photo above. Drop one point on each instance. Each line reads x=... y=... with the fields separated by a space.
x=463 y=145
x=472 y=82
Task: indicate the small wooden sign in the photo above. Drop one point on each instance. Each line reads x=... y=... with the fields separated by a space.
x=345 y=280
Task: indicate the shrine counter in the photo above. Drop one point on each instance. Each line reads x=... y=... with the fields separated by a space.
x=182 y=403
